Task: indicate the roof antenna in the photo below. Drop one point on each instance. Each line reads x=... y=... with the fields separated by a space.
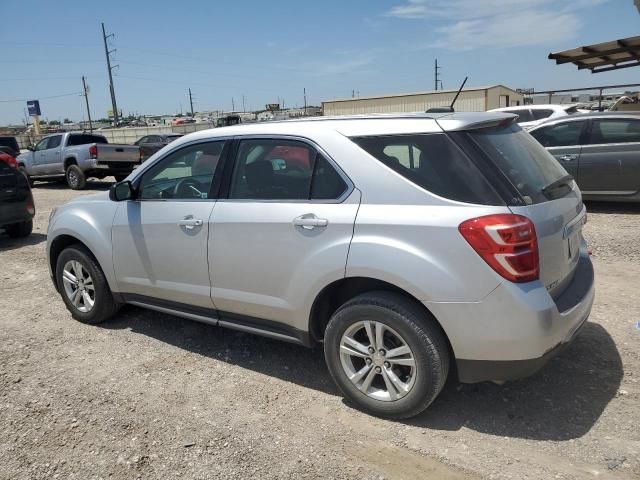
x=448 y=109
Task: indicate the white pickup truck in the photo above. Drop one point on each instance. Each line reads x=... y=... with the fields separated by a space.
x=78 y=156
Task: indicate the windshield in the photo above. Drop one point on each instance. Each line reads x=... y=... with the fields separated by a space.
x=525 y=162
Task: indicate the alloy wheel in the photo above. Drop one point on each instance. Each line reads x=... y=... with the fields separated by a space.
x=78 y=286
x=377 y=360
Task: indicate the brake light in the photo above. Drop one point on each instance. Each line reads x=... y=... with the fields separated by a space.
x=30 y=207
x=93 y=151
x=141 y=155
x=9 y=160
x=507 y=242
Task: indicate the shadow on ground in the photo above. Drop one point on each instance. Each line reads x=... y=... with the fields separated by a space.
x=8 y=243
x=561 y=402
x=62 y=184
x=612 y=207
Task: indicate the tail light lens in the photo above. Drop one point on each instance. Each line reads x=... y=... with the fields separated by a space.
x=93 y=151
x=30 y=207
x=507 y=242
x=9 y=160
x=140 y=154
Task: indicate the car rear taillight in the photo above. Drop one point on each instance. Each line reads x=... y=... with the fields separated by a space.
x=93 y=151
x=9 y=160
x=507 y=242
x=141 y=155
x=30 y=207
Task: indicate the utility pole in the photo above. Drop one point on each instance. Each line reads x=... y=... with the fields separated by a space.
x=243 y=108
x=304 y=91
x=233 y=105
x=108 y=53
x=191 y=102
x=86 y=99
x=437 y=75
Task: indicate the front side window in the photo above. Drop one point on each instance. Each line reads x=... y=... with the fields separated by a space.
x=433 y=162
x=559 y=135
x=185 y=174
x=614 y=130
x=42 y=144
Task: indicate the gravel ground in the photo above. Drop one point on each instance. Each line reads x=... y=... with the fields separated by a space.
x=153 y=396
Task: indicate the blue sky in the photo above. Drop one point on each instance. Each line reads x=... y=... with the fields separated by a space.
x=270 y=50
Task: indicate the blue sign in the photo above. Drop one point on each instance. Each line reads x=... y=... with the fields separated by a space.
x=34 y=108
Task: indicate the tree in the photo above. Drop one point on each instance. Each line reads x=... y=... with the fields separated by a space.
x=66 y=120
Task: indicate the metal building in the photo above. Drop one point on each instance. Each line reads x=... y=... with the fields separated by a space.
x=477 y=99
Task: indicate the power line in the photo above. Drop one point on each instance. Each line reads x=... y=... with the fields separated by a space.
x=42 y=98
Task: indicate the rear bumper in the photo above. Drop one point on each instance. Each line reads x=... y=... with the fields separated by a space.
x=513 y=332
x=16 y=210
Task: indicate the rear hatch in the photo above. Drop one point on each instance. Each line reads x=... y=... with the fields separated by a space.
x=543 y=192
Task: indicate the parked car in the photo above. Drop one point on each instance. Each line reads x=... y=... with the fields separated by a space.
x=531 y=115
x=11 y=144
x=600 y=150
x=152 y=143
x=16 y=202
x=412 y=247
x=78 y=156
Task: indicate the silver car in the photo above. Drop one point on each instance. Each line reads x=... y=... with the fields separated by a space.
x=600 y=150
x=412 y=247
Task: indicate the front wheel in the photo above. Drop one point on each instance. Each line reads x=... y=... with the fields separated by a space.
x=76 y=178
x=386 y=354
x=83 y=286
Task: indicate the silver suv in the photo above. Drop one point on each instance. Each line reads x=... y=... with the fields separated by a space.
x=412 y=247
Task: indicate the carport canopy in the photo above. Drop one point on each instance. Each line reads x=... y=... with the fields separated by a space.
x=602 y=57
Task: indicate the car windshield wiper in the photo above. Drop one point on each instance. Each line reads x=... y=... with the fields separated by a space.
x=564 y=180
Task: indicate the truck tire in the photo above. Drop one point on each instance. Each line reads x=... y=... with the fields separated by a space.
x=19 y=230
x=76 y=178
x=401 y=370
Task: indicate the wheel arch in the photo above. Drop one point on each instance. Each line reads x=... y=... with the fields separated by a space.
x=337 y=293
x=69 y=161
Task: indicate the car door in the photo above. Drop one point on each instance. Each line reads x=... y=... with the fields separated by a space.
x=52 y=158
x=39 y=154
x=564 y=141
x=610 y=159
x=282 y=230
x=160 y=237
x=154 y=143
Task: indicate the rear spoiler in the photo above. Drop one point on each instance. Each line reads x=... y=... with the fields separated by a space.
x=451 y=124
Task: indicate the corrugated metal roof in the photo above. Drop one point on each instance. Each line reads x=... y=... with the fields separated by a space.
x=428 y=92
x=602 y=57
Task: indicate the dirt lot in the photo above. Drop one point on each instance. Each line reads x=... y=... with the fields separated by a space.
x=153 y=396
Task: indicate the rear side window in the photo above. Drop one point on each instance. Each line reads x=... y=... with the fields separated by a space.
x=83 y=139
x=614 y=131
x=433 y=162
x=524 y=115
x=528 y=166
x=559 y=135
x=540 y=113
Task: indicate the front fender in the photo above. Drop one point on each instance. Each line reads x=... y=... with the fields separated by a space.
x=90 y=227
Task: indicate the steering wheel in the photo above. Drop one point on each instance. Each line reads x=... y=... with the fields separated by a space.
x=187 y=188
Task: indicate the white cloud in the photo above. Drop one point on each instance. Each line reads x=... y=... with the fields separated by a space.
x=469 y=24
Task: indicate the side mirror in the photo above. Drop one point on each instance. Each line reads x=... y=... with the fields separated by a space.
x=31 y=148
x=121 y=191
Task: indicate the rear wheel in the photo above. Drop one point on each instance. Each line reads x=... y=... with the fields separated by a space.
x=76 y=178
x=386 y=354
x=83 y=286
x=18 y=230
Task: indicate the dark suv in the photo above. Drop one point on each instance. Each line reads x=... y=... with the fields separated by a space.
x=16 y=201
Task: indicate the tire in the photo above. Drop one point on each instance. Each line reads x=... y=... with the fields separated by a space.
x=19 y=230
x=76 y=178
x=404 y=320
x=104 y=306
x=24 y=172
x=120 y=178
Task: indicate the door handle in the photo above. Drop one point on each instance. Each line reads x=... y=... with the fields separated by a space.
x=190 y=223
x=309 y=221
x=568 y=158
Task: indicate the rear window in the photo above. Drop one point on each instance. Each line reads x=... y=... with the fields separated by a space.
x=433 y=162
x=524 y=115
x=83 y=139
x=10 y=142
x=525 y=162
